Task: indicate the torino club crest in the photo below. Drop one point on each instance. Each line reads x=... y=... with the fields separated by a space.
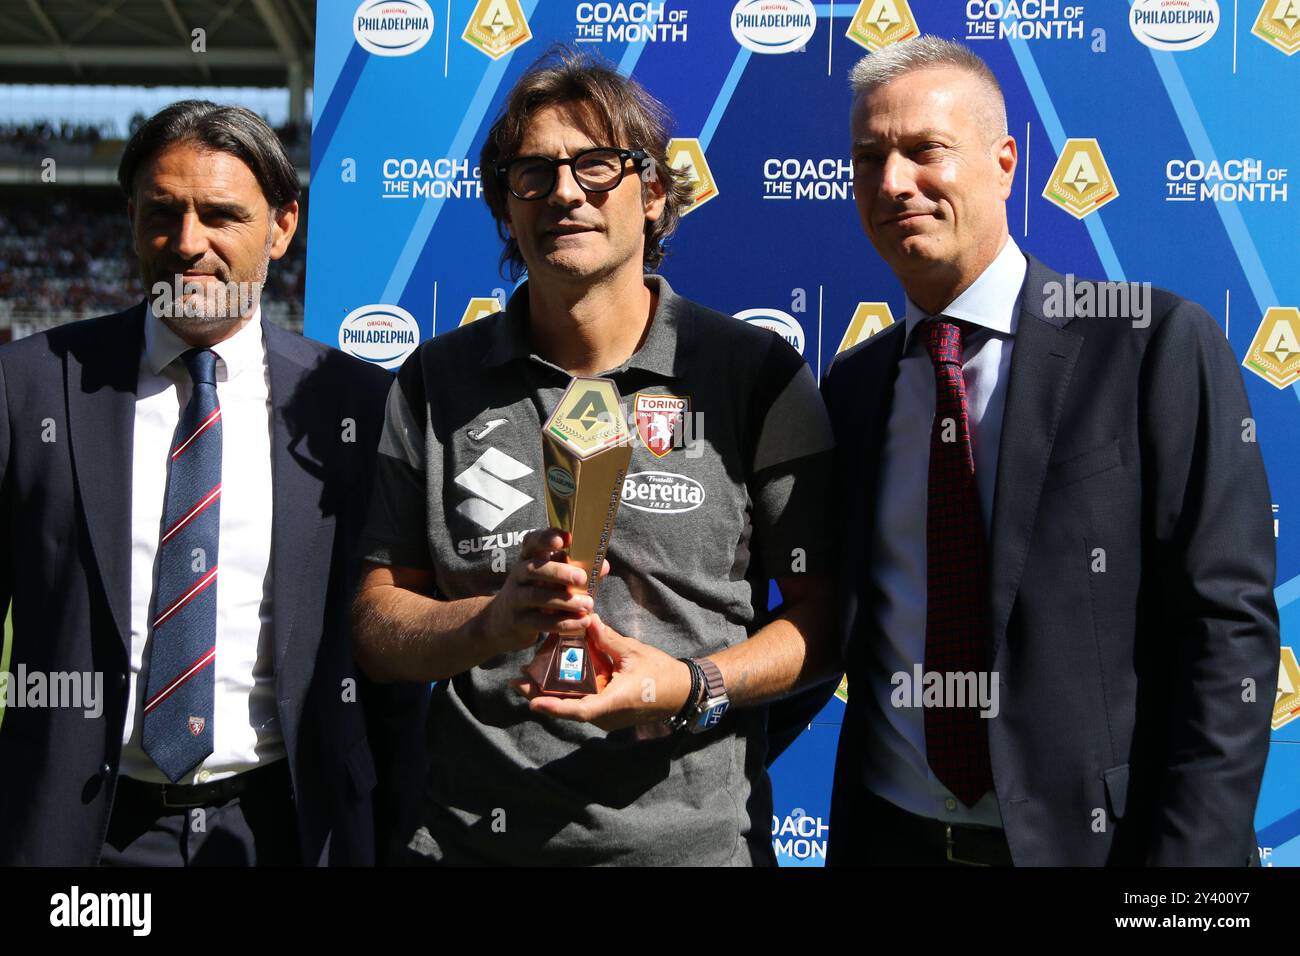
x=658 y=419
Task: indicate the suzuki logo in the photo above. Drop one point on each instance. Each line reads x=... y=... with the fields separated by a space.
x=493 y=500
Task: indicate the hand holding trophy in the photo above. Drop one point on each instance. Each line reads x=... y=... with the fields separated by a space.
x=585 y=454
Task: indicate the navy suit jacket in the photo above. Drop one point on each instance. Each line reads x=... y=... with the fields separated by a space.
x=67 y=412
x=1135 y=700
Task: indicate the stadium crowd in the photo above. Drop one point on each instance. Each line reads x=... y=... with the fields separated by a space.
x=66 y=255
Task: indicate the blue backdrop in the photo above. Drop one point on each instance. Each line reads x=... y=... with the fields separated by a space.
x=1186 y=186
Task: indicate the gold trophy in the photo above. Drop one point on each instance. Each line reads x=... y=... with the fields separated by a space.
x=585 y=454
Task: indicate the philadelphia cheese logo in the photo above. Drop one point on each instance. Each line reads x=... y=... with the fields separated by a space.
x=774 y=320
x=496 y=27
x=1278 y=24
x=662 y=492
x=1080 y=182
x=773 y=26
x=1174 y=24
x=383 y=335
x=1274 y=353
x=392 y=27
x=880 y=23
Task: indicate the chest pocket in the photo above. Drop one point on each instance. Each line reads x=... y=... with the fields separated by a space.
x=1078 y=467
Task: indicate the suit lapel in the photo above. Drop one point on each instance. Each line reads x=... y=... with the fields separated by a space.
x=301 y=536
x=102 y=371
x=860 y=435
x=1042 y=361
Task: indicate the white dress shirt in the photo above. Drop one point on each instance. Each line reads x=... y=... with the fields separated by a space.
x=894 y=765
x=247 y=729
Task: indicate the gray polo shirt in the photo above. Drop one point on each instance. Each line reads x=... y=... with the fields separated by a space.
x=740 y=496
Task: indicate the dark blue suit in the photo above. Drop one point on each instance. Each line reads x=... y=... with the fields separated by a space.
x=67 y=401
x=1135 y=701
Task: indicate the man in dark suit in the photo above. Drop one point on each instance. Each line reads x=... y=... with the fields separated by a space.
x=1057 y=610
x=181 y=487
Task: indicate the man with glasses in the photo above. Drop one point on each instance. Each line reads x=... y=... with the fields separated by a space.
x=460 y=584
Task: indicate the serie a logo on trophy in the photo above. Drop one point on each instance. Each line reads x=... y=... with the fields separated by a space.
x=585 y=454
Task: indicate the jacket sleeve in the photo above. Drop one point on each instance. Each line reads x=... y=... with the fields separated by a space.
x=1208 y=504
x=394 y=712
x=6 y=531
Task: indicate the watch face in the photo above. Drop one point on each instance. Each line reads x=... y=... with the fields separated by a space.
x=711 y=714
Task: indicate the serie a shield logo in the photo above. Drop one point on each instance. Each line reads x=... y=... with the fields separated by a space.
x=1286 y=706
x=1081 y=182
x=496 y=27
x=687 y=157
x=658 y=419
x=1278 y=24
x=197 y=724
x=881 y=23
x=1274 y=353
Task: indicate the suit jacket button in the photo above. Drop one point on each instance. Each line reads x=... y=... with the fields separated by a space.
x=121 y=681
x=106 y=769
x=950 y=804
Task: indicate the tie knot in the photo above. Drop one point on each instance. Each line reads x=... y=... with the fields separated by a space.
x=202 y=365
x=943 y=340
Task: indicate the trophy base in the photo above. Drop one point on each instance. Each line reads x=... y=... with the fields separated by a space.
x=569 y=667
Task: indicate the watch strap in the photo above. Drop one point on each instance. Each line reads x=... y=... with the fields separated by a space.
x=713 y=684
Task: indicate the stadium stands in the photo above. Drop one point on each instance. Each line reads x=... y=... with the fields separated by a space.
x=65 y=254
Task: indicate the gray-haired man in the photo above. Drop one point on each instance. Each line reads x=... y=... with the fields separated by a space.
x=1058 y=570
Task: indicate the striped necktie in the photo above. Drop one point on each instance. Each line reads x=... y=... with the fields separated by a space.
x=182 y=654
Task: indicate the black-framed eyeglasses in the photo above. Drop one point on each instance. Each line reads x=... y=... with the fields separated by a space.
x=596 y=170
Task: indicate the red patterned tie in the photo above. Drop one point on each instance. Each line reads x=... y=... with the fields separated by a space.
x=957 y=577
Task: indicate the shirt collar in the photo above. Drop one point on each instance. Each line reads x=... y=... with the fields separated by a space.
x=663 y=352
x=241 y=351
x=991 y=301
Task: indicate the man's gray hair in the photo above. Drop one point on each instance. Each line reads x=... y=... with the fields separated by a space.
x=928 y=52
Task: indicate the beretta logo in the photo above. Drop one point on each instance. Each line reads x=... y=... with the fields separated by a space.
x=662 y=492
x=1174 y=24
x=382 y=334
x=392 y=27
x=774 y=320
x=773 y=26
